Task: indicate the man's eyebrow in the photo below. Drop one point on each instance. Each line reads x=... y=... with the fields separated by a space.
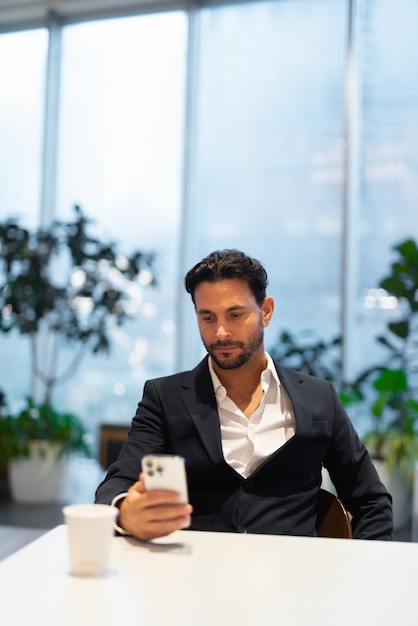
x=235 y=307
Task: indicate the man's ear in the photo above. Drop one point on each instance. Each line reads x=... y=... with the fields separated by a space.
x=267 y=309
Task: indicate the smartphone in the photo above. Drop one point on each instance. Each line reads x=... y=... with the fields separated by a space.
x=166 y=471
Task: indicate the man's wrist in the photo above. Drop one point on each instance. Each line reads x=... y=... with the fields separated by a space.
x=117 y=501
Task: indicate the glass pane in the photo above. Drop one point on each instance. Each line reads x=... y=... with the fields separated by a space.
x=389 y=174
x=22 y=76
x=120 y=159
x=270 y=151
x=22 y=69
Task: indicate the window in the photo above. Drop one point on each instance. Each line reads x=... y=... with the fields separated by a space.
x=254 y=95
x=269 y=160
x=388 y=161
x=120 y=158
x=22 y=72
x=22 y=68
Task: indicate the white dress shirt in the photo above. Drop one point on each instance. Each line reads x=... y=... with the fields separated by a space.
x=247 y=442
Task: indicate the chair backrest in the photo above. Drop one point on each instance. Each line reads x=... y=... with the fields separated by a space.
x=332 y=519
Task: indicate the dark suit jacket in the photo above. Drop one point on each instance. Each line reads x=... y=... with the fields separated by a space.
x=178 y=415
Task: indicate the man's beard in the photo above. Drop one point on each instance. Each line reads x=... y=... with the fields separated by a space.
x=247 y=350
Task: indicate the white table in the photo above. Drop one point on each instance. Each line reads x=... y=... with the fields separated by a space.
x=216 y=579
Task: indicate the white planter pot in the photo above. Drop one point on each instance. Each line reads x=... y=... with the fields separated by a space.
x=401 y=494
x=42 y=477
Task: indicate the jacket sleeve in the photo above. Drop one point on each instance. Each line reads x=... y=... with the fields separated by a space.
x=356 y=480
x=147 y=436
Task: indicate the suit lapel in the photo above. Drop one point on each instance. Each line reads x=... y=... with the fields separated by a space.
x=200 y=401
x=300 y=397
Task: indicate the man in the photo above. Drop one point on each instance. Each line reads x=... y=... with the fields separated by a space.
x=255 y=435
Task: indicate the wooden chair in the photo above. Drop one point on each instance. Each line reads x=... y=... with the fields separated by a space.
x=332 y=519
x=112 y=437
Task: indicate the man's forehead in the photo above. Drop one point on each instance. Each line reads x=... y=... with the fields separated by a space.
x=225 y=294
x=227 y=285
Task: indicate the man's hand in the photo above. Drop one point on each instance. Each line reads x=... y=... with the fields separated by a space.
x=151 y=514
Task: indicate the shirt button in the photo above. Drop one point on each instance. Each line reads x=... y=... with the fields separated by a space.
x=250 y=469
x=242 y=529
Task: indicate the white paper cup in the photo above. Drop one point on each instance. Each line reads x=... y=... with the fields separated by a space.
x=90 y=531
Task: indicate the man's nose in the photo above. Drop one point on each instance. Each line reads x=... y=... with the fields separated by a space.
x=222 y=332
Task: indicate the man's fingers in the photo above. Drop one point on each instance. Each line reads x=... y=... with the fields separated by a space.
x=150 y=514
x=165 y=512
x=161 y=528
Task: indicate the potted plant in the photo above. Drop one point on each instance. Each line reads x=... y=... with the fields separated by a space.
x=385 y=394
x=389 y=391
x=37 y=442
x=63 y=285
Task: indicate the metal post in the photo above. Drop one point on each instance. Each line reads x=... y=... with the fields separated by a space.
x=51 y=119
x=186 y=323
x=351 y=203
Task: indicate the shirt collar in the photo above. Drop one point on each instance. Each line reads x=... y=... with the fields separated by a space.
x=267 y=375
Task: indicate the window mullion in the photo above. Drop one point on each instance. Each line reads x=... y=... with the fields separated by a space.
x=51 y=120
x=351 y=204
x=188 y=248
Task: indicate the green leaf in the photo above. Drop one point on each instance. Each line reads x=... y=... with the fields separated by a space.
x=395 y=286
x=378 y=406
x=391 y=381
x=350 y=397
x=385 y=342
x=400 y=329
x=409 y=250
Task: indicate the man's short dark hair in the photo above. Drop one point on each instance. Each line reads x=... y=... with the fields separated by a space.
x=228 y=264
